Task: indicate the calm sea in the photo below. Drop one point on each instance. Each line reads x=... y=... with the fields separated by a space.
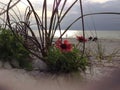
x=100 y=34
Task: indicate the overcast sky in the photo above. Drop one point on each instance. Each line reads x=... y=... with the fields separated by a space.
x=99 y=22
x=103 y=22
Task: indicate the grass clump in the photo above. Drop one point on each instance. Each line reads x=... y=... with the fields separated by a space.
x=11 y=50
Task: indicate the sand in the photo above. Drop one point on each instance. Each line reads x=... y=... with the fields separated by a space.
x=20 y=80
x=16 y=79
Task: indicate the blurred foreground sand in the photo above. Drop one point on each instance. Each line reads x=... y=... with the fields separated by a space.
x=19 y=80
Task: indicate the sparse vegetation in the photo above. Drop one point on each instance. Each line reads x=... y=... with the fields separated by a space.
x=99 y=51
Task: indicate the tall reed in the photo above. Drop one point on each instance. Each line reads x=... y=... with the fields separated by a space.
x=39 y=45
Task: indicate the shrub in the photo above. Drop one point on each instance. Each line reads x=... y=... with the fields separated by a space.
x=64 y=57
x=12 y=50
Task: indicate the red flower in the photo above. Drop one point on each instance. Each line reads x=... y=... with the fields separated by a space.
x=58 y=43
x=81 y=39
x=65 y=46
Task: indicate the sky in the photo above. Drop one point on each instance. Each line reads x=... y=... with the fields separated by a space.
x=99 y=22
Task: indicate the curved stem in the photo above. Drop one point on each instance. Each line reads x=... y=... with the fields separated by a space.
x=83 y=26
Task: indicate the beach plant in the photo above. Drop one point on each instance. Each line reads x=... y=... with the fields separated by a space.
x=81 y=40
x=65 y=57
x=13 y=51
x=46 y=27
x=98 y=51
x=41 y=46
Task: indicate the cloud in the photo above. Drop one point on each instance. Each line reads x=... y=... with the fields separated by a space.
x=104 y=22
x=98 y=1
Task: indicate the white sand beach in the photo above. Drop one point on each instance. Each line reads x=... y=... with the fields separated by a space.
x=16 y=79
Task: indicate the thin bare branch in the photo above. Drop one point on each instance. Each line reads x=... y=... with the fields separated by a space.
x=10 y=7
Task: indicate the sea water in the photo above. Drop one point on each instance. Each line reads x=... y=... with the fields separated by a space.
x=103 y=34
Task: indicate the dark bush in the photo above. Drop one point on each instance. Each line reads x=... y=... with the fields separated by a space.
x=65 y=61
x=11 y=50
